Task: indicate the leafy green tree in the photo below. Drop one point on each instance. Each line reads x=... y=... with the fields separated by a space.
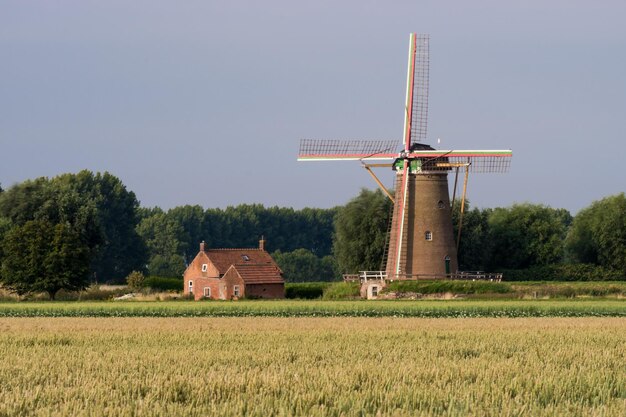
x=22 y=202
x=474 y=236
x=120 y=249
x=191 y=220
x=360 y=232
x=285 y=229
x=526 y=235
x=162 y=236
x=302 y=265
x=97 y=206
x=42 y=257
x=5 y=226
x=598 y=234
x=166 y=265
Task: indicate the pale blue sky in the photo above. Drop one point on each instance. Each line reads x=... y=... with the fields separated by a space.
x=204 y=102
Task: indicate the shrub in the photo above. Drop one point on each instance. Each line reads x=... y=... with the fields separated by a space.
x=342 y=291
x=135 y=280
x=164 y=283
x=457 y=287
x=564 y=272
x=308 y=290
x=92 y=293
x=551 y=289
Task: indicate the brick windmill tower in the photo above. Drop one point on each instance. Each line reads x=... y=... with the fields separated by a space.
x=421 y=241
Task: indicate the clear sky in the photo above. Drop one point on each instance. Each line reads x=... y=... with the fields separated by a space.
x=204 y=102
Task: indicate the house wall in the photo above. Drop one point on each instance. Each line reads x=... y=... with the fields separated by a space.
x=230 y=279
x=194 y=272
x=199 y=283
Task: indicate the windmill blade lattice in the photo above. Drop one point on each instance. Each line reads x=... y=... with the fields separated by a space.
x=329 y=149
x=421 y=242
x=419 y=108
x=478 y=162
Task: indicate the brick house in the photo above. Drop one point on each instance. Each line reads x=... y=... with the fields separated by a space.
x=224 y=274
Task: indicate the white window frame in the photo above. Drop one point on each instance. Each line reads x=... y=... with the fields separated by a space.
x=428 y=236
x=236 y=291
x=206 y=291
x=374 y=290
x=190 y=285
x=205 y=267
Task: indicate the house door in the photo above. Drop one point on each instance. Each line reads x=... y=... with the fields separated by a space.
x=222 y=292
x=447 y=261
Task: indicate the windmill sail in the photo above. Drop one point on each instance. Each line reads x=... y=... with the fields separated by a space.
x=415 y=124
x=420 y=77
x=347 y=150
x=421 y=241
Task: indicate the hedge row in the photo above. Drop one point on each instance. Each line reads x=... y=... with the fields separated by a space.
x=457 y=287
x=325 y=290
x=565 y=272
x=163 y=283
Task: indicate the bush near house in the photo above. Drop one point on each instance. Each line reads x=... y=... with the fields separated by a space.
x=305 y=290
x=325 y=290
x=342 y=291
x=163 y=283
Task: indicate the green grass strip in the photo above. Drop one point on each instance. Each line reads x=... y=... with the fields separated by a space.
x=318 y=308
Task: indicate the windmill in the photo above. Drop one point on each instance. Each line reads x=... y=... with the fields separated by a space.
x=421 y=242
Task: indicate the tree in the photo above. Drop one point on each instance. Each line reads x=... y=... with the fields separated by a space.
x=302 y=265
x=5 y=226
x=526 y=235
x=120 y=249
x=42 y=257
x=598 y=234
x=97 y=206
x=474 y=236
x=162 y=236
x=360 y=232
x=191 y=221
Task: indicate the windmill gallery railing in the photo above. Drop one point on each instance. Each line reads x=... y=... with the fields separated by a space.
x=365 y=276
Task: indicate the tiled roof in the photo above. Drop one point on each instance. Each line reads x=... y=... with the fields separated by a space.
x=259 y=273
x=224 y=258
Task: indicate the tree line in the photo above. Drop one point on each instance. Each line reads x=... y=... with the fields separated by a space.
x=520 y=237
x=48 y=218
x=73 y=229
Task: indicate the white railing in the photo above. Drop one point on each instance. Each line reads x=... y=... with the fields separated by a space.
x=365 y=276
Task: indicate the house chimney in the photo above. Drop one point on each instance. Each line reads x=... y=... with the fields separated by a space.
x=262 y=243
x=202 y=248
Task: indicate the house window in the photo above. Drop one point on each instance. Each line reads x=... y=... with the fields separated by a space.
x=440 y=204
x=204 y=267
x=374 y=291
x=236 y=290
x=428 y=235
x=206 y=291
x=190 y=287
x=246 y=258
